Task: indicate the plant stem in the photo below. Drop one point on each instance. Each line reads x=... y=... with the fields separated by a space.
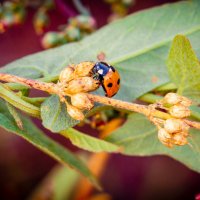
x=79 y=6
x=18 y=86
x=55 y=89
x=129 y=106
x=47 y=87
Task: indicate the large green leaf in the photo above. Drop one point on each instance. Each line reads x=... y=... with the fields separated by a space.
x=33 y=135
x=137 y=45
x=89 y=143
x=184 y=68
x=139 y=137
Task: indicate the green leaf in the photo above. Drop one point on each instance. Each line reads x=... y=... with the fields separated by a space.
x=89 y=143
x=139 y=137
x=184 y=68
x=16 y=101
x=139 y=52
x=33 y=135
x=54 y=115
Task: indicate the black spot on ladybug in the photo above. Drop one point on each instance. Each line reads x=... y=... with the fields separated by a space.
x=118 y=82
x=109 y=85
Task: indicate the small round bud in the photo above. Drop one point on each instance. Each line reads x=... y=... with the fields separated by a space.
x=81 y=85
x=180 y=111
x=50 y=39
x=53 y=39
x=179 y=139
x=165 y=137
x=185 y=102
x=67 y=74
x=75 y=112
x=81 y=101
x=72 y=33
x=84 y=69
x=172 y=98
x=175 y=125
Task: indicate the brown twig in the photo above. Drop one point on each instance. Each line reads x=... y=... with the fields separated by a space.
x=56 y=89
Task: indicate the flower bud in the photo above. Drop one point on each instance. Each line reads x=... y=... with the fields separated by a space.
x=72 y=33
x=81 y=101
x=179 y=139
x=180 y=111
x=165 y=137
x=53 y=39
x=175 y=125
x=75 y=112
x=67 y=74
x=185 y=102
x=172 y=98
x=81 y=85
x=84 y=69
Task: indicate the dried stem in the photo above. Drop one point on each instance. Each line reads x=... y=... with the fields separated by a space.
x=146 y=110
x=52 y=88
x=39 y=85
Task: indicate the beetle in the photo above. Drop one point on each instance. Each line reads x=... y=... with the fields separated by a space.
x=108 y=77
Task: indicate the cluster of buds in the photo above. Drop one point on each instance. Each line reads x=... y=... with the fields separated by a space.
x=119 y=8
x=77 y=28
x=76 y=81
x=11 y=14
x=174 y=131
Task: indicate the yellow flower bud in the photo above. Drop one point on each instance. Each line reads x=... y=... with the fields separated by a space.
x=75 y=112
x=84 y=69
x=67 y=74
x=175 y=125
x=81 y=101
x=81 y=85
x=165 y=137
x=180 y=139
x=180 y=111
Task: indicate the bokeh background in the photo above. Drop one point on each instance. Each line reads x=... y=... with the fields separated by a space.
x=22 y=166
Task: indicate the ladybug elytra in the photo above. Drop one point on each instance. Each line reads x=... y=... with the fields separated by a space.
x=108 y=77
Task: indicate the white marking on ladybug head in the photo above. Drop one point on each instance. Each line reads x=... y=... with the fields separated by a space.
x=100 y=71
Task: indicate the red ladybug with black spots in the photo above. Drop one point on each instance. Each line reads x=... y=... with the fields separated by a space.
x=108 y=77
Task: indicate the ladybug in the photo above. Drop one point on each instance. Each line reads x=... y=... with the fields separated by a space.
x=108 y=77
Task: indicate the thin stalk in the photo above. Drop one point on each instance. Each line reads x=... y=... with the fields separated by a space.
x=47 y=87
x=79 y=6
x=18 y=86
x=129 y=106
